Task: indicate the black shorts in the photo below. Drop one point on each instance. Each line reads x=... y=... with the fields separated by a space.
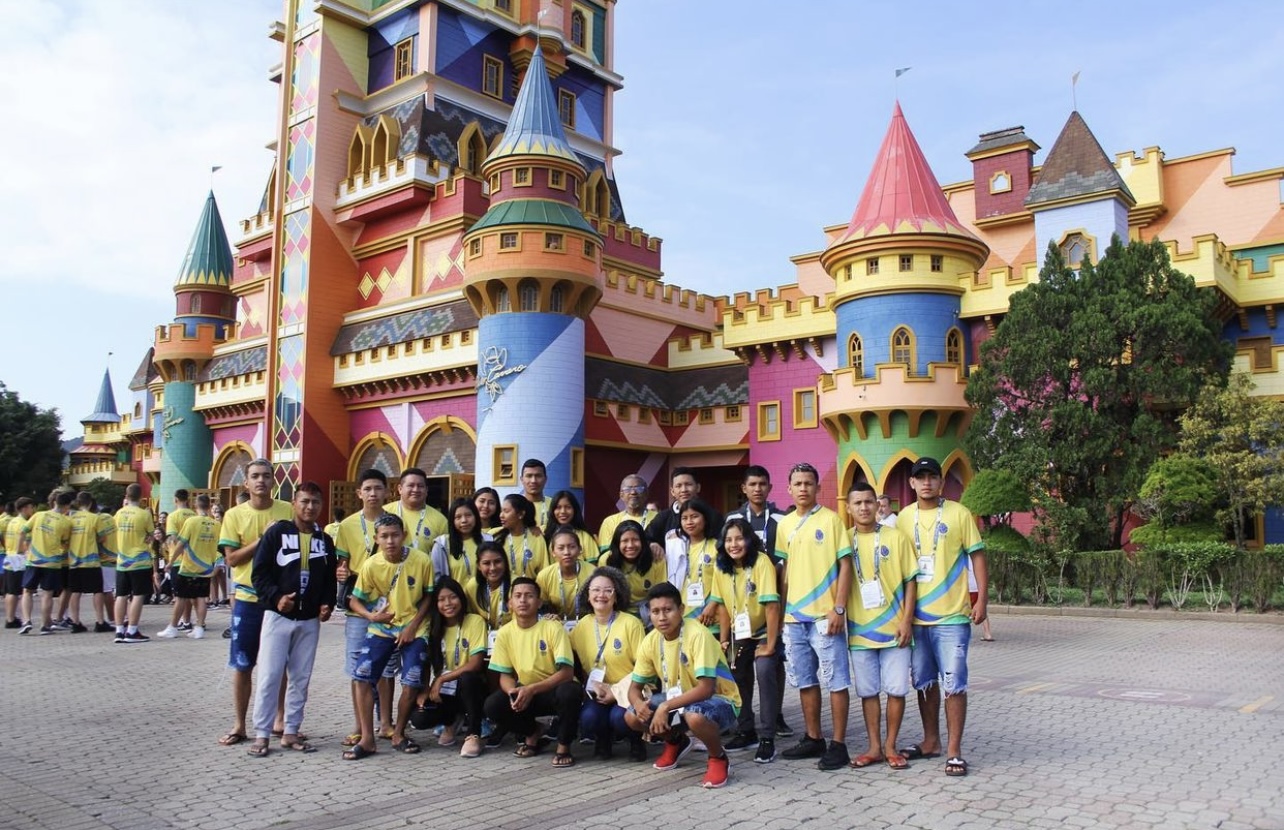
x=134 y=583
x=191 y=587
x=13 y=583
x=85 y=580
x=42 y=579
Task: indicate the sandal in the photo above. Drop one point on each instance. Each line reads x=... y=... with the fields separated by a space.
x=406 y=746
x=232 y=739
x=385 y=734
x=279 y=733
x=356 y=753
x=525 y=750
x=913 y=752
x=258 y=749
x=561 y=760
x=352 y=739
x=862 y=761
x=299 y=745
x=897 y=762
x=955 y=767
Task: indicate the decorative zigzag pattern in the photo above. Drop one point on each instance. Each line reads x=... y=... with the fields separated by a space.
x=237 y=363
x=721 y=395
x=402 y=328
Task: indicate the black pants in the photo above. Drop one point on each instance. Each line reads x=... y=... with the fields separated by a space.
x=563 y=701
x=469 y=697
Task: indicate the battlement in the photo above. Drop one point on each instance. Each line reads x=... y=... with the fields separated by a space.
x=622 y=290
x=779 y=320
x=767 y=296
x=629 y=243
x=851 y=403
x=1211 y=263
x=696 y=350
x=179 y=355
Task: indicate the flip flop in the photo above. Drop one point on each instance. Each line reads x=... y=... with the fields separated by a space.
x=257 y=750
x=232 y=739
x=299 y=746
x=356 y=753
x=525 y=750
x=914 y=752
x=561 y=760
x=352 y=739
x=406 y=746
x=862 y=761
x=955 y=767
x=897 y=762
x=277 y=733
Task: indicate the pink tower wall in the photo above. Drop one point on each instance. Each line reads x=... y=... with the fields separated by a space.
x=777 y=380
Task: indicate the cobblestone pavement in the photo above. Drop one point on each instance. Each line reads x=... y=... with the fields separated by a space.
x=1074 y=722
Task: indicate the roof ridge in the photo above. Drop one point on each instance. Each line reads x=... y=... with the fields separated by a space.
x=1076 y=166
x=535 y=126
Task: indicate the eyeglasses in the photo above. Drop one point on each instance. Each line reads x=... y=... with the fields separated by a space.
x=632 y=489
x=603 y=592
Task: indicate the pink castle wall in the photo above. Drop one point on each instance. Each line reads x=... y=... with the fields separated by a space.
x=777 y=380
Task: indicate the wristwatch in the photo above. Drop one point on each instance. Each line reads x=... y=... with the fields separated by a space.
x=840 y=610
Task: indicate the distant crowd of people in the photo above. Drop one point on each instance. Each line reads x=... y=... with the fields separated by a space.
x=509 y=616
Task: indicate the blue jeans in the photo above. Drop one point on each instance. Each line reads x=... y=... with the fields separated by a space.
x=597 y=718
x=940 y=654
x=813 y=658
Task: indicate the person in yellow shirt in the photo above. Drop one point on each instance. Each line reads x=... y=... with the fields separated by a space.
x=605 y=642
x=636 y=559
x=560 y=583
x=15 y=560
x=697 y=693
x=104 y=600
x=239 y=536
x=179 y=515
x=488 y=591
x=195 y=552
x=535 y=664
x=424 y=523
x=534 y=477
x=520 y=538
x=699 y=526
x=565 y=511
x=394 y=595
x=48 y=534
x=457 y=658
x=85 y=573
x=454 y=554
x=134 y=528
x=486 y=500
x=633 y=492
x=880 y=616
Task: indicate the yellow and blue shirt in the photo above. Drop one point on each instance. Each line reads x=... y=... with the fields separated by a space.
x=946 y=537
x=531 y=654
x=692 y=655
x=403 y=584
x=747 y=591
x=198 y=546
x=810 y=545
x=887 y=555
x=242 y=525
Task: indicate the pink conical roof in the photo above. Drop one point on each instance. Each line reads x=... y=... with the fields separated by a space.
x=902 y=195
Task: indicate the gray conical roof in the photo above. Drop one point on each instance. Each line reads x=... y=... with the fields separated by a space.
x=535 y=127
x=105 y=408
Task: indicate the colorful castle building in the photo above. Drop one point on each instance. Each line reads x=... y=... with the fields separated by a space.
x=440 y=274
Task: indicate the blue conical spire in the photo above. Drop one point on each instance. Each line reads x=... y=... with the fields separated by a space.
x=105 y=409
x=209 y=256
x=534 y=127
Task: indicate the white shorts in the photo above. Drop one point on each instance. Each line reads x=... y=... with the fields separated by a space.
x=109 y=580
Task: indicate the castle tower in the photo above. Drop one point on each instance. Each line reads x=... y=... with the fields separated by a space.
x=533 y=275
x=103 y=451
x=204 y=309
x=899 y=270
x=1078 y=200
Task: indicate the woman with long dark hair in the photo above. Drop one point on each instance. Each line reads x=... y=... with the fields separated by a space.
x=454 y=553
x=520 y=538
x=457 y=663
x=630 y=553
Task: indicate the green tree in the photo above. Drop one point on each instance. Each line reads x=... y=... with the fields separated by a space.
x=1079 y=389
x=996 y=493
x=1240 y=436
x=30 y=448
x=106 y=494
x=1178 y=490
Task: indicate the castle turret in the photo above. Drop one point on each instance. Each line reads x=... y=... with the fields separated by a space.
x=204 y=311
x=533 y=276
x=899 y=269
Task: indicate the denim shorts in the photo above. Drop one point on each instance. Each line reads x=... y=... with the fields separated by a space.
x=940 y=654
x=378 y=651
x=715 y=710
x=881 y=669
x=247 y=625
x=354 y=638
x=814 y=659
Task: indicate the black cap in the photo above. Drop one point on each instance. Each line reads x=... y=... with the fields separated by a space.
x=925 y=466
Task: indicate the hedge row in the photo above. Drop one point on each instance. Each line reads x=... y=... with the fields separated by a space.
x=1217 y=573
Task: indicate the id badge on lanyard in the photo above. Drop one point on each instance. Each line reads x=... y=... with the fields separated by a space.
x=871 y=595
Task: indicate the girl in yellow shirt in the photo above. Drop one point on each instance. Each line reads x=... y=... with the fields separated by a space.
x=566 y=512
x=457 y=659
x=630 y=553
x=520 y=538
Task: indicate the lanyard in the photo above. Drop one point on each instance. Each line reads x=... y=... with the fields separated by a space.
x=878 y=532
x=512 y=554
x=695 y=555
x=365 y=534
x=664 y=661
x=739 y=592
x=603 y=639
x=790 y=541
x=567 y=611
x=459 y=635
x=397 y=575
x=490 y=607
x=936 y=528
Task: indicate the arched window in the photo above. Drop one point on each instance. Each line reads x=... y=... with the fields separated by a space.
x=501 y=299
x=903 y=347
x=528 y=293
x=597 y=196
x=954 y=347
x=472 y=148
x=577 y=29
x=856 y=354
x=1076 y=248
x=358 y=163
x=196 y=304
x=557 y=299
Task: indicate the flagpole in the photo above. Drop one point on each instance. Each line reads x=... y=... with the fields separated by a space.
x=1074 y=93
x=896 y=80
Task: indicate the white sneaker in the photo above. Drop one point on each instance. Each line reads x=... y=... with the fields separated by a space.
x=168 y=633
x=697 y=745
x=197 y=632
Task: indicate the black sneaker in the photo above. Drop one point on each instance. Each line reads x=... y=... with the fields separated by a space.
x=741 y=740
x=637 y=748
x=78 y=628
x=48 y=629
x=783 y=730
x=808 y=747
x=227 y=634
x=139 y=637
x=13 y=624
x=103 y=628
x=835 y=757
x=25 y=628
x=184 y=626
x=766 y=751
x=120 y=637
x=58 y=625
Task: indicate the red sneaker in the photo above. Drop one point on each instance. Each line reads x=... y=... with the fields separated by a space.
x=715 y=775
x=673 y=753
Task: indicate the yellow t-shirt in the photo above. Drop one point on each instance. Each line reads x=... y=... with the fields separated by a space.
x=459 y=642
x=606 y=532
x=747 y=590
x=49 y=535
x=700 y=568
x=527 y=554
x=588 y=547
x=107 y=541
x=355 y=540
x=693 y=654
x=134 y=527
x=642 y=581
x=175 y=521
x=895 y=567
x=465 y=567
x=542 y=509
x=13 y=544
x=198 y=546
x=243 y=525
x=942 y=592
x=531 y=654
x=559 y=593
x=496 y=612
x=5 y=518
x=616 y=643
x=413 y=577
x=422 y=526
x=810 y=545
x=82 y=550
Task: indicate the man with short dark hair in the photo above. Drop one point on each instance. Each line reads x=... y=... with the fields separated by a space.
x=48 y=534
x=195 y=550
x=134 y=528
x=85 y=573
x=665 y=531
x=534 y=477
x=15 y=560
x=424 y=523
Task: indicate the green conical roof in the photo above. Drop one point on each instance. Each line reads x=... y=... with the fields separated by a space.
x=534 y=127
x=209 y=256
x=105 y=408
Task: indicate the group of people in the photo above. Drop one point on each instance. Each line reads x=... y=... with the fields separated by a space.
x=505 y=612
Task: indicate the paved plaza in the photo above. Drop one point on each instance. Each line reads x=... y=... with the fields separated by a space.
x=1075 y=722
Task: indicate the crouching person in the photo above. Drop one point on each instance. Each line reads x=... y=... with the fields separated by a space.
x=457 y=658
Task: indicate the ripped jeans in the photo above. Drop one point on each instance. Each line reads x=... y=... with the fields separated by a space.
x=940 y=655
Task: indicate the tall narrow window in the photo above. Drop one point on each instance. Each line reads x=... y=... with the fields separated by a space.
x=501 y=299
x=566 y=108
x=856 y=355
x=493 y=76
x=871 y=265
x=903 y=347
x=769 y=421
x=529 y=294
x=405 y=59
x=954 y=347
x=557 y=299
x=505 y=6
x=577 y=29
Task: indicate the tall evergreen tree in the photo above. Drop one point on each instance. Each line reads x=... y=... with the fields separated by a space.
x=30 y=448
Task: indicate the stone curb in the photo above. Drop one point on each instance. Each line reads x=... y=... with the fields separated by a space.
x=1164 y=615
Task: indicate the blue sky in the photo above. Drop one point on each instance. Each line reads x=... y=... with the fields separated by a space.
x=745 y=128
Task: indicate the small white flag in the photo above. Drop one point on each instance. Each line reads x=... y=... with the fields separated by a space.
x=901 y=72
x=1074 y=79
